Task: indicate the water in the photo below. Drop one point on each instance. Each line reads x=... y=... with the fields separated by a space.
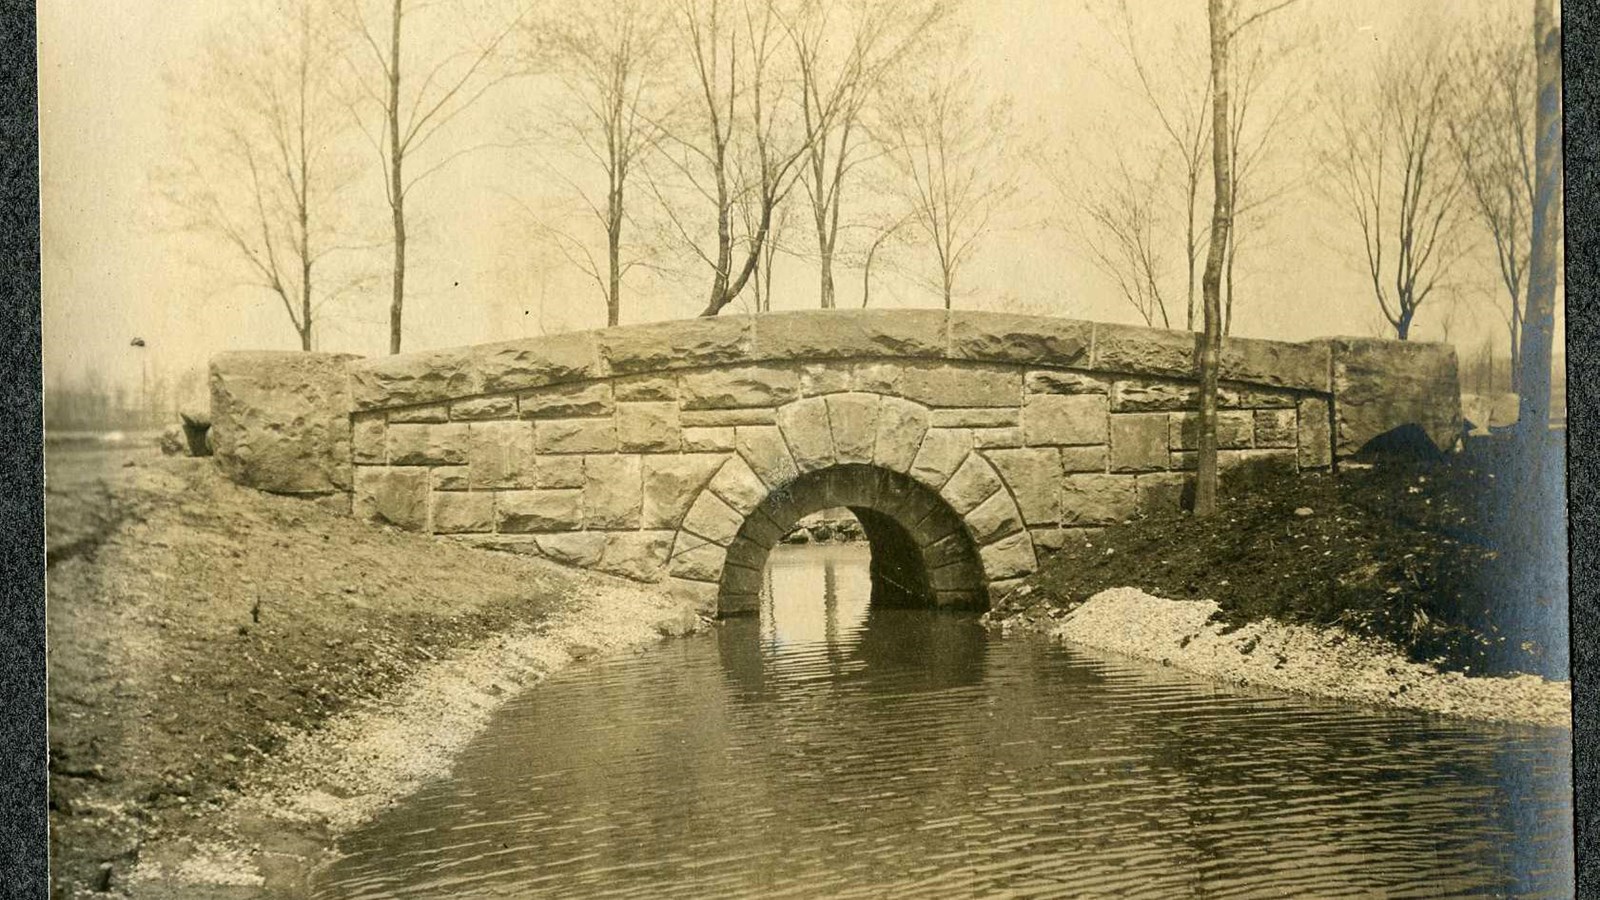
x=829 y=749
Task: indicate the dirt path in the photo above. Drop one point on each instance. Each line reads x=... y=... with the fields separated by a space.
x=211 y=647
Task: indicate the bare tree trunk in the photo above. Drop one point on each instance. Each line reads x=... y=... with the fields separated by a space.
x=1227 y=308
x=1538 y=322
x=397 y=198
x=614 y=252
x=1205 y=498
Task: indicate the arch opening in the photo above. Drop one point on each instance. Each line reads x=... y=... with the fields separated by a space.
x=921 y=553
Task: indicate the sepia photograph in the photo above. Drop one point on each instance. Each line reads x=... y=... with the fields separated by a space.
x=805 y=448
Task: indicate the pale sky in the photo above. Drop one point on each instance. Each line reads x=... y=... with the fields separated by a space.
x=112 y=272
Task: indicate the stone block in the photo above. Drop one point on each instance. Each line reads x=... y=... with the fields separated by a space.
x=1034 y=477
x=877 y=377
x=948 y=384
x=451 y=478
x=738 y=486
x=650 y=426
x=500 y=455
x=712 y=519
x=1246 y=397
x=1315 y=433
x=764 y=449
x=639 y=555
x=677 y=344
x=558 y=471
x=808 y=433
x=974 y=481
x=671 y=483
x=842 y=334
x=427 y=445
x=1139 y=442
x=412 y=379
x=1054 y=540
x=396 y=497
x=1085 y=459
x=726 y=418
x=1235 y=430
x=533 y=362
x=368 y=444
x=1155 y=395
x=853 y=418
x=646 y=388
x=824 y=378
x=566 y=401
x=280 y=421
x=942 y=450
x=1275 y=427
x=1246 y=464
x=612 y=491
x=994 y=518
x=1010 y=557
x=1056 y=419
x=431 y=414
x=1161 y=493
x=1055 y=381
x=1006 y=337
x=521 y=512
x=573 y=548
x=982 y=417
x=701 y=562
x=741 y=388
x=708 y=440
x=458 y=512
x=1097 y=499
x=997 y=437
x=1275 y=363
x=952 y=548
x=503 y=406
x=575 y=435
x=1144 y=351
x=901 y=425
x=1385 y=389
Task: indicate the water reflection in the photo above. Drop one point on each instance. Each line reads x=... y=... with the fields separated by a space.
x=836 y=749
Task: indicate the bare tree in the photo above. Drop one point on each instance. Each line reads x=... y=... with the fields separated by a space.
x=1392 y=169
x=1538 y=327
x=875 y=39
x=1492 y=133
x=950 y=146
x=261 y=166
x=403 y=104
x=886 y=230
x=741 y=142
x=1124 y=242
x=609 y=57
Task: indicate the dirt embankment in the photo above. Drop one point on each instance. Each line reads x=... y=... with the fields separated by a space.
x=222 y=661
x=1420 y=563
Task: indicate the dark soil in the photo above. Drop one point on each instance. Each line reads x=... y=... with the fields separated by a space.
x=194 y=625
x=1421 y=553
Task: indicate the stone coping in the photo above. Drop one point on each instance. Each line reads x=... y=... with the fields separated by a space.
x=825 y=335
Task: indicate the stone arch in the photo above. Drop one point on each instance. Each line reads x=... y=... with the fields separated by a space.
x=943 y=526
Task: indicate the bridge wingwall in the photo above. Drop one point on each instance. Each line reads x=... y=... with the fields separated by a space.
x=605 y=449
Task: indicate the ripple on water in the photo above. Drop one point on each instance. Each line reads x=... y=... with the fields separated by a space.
x=832 y=749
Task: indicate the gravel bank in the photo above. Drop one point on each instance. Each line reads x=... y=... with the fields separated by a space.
x=1324 y=662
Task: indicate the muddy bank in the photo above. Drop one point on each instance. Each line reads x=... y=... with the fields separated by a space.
x=217 y=654
x=1321 y=661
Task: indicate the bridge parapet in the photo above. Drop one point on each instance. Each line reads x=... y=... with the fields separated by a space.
x=679 y=451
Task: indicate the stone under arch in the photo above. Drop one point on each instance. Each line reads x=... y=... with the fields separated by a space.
x=944 y=528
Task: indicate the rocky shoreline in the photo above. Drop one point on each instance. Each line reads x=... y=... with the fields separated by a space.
x=1323 y=662
x=269 y=841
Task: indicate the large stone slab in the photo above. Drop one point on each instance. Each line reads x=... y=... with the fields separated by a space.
x=671 y=483
x=1382 y=387
x=808 y=433
x=1275 y=363
x=681 y=344
x=901 y=425
x=520 y=512
x=280 y=422
x=1034 y=477
x=842 y=334
x=1144 y=351
x=392 y=496
x=950 y=384
x=747 y=386
x=500 y=455
x=612 y=491
x=853 y=418
x=1005 y=337
x=1064 y=419
x=532 y=362
x=1139 y=442
x=408 y=379
x=1097 y=499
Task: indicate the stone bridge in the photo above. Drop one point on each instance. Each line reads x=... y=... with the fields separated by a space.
x=680 y=452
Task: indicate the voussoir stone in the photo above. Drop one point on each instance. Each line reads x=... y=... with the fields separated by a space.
x=280 y=422
x=1019 y=338
x=738 y=485
x=713 y=519
x=764 y=449
x=942 y=450
x=808 y=433
x=994 y=518
x=671 y=483
x=703 y=562
x=1010 y=557
x=853 y=419
x=974 y=481
x=901 y=425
